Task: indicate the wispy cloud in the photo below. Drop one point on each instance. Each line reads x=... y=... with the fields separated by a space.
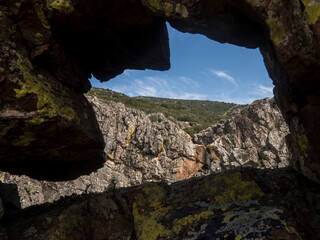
x=226 y=98
x=265 y=90
x=155 y=86
x=223 y=75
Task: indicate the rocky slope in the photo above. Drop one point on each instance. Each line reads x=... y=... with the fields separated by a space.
x=253 y=136
x=144 y=147
x=139 y=148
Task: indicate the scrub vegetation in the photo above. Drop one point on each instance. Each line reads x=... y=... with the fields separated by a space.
x=200 y=114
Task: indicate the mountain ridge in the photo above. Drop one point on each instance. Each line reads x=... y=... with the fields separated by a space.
x=192 y=115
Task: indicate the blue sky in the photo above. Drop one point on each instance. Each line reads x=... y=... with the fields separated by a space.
x=200 y=69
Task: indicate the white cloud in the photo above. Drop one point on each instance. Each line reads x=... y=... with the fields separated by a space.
x=265 y=90
x=225 y=98
x=223 y=75
x=188 y=81
x=155 y=86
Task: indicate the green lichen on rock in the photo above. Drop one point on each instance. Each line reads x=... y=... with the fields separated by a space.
x=228 y=217
x=160 y=5
x=69 y=221
x=62 y=6
x=303 y=142
x=292 y=230
x=276 y=31
x=312 y=9
x=24 y=140
x=41 y=15
x=230 y=188
x=49 y=104
x=39 y=35
x=190 y=220
x=36 y=121
x=146 y=223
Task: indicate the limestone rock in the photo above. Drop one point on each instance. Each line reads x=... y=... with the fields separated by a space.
x=139 y=148
x=233 y=205
x=253 y=136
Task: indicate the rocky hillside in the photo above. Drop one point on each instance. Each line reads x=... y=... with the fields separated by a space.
x=192 y=115
x=253 y=136
x=144 y=147
x=139 y=148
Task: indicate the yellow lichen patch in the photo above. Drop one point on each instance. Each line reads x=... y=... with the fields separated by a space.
x=63 y=6
x=36 y=121
x=230 y=188
x=160 y=147
x=292 y=230
x=131 y=131
x=312 y=9
x=39 y=35
x=24 y=140
x=191 y=219
x=69 y=220
x=111 y=155
x=228 y=217
x=303 y=142
x=238 y=237
x=2 y=174
x=160 y=5
x=41 y=15
x=225 y=236
x=146 y=222
x=49 y=104
x=276 y=31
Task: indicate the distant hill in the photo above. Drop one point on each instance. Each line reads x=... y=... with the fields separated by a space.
x=198 y=114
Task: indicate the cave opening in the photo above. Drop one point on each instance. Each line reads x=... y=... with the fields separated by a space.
x=201 y=69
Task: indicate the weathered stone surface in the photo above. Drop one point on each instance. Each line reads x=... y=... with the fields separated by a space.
x=139 y=148
x=253 y=136
x=47 y=128
x=148 y=147
x=48 y=50
x=69 y=40
x=234 y=205
x=287 y=33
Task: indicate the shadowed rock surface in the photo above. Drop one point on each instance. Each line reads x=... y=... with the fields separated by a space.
x=253 y=136
x=242 y=204
x=45 y=68
x=139 y=148
x=148 y=147
x=49 y=49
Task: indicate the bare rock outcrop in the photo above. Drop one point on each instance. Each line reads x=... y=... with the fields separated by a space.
x=253 y=136
x=242 y=204
x=139 y=148
x=44 y=69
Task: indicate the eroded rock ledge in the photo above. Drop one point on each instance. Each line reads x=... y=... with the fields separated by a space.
x=241 y=204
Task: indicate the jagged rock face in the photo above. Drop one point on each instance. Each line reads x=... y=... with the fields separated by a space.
x=288 y=36
x=139 y=148
x=253 y=136
x=241 y=204
x=48 y=49
x=68 y=40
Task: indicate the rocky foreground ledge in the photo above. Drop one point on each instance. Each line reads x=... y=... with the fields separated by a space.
x=239 y=204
